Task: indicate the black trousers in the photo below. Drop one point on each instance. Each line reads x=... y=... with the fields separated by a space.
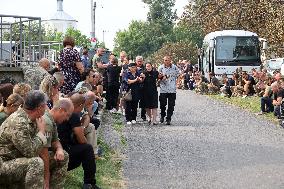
x=167 y=99
x=112 y=96
x=83 y=154
x=131 y=110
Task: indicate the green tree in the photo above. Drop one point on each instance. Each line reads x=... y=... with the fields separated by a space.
x=80 y=39
x=264 y=17
x=178 y=51
x=144 y=38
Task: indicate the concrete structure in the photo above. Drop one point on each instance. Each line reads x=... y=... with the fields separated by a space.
x=60 y=20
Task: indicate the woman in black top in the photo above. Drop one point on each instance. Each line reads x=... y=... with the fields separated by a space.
x=133 y=78
x=150 y=93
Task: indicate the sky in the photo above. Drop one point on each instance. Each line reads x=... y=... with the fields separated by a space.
x=111 y=15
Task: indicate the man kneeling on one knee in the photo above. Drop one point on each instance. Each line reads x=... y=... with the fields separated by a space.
x=22 y=139
x=71 y=134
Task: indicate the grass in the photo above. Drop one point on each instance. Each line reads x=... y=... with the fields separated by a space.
x=118 y=127
x=251 y=104
x=109 y=167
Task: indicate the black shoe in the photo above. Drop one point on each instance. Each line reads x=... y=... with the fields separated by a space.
x=162 y=120
x=144 y=118
x=90 y=186
x=87 y=186
x=168 y=122
x=96 y=187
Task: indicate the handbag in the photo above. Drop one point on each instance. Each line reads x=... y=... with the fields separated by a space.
x=127 y=96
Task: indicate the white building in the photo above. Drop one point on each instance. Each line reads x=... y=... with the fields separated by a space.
x=60 y=20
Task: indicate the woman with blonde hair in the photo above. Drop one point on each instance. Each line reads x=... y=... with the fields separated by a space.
x=13 y=102
x=22 y=89
x=49 y=86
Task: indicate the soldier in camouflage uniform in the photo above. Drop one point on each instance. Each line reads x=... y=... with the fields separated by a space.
x=34 y=75
x=22 y=136
x=54 y=157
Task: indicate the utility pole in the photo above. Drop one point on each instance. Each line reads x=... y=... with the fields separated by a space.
x=93 y=18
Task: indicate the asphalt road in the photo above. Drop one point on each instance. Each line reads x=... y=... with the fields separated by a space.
x=209 y=145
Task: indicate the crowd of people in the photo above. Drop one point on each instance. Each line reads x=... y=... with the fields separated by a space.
x=269 y=87
x=48 y=124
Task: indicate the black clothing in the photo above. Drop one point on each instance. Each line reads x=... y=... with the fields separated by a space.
x=131 y=110
x=280 y=93
x=78 y=153
x=65 y=131
x=113 y=74
x=135 y=87
x=112 y=90
x=83 y=154
x=142 y=99
x=167 y=98
x=150 y=93
x=112 y=96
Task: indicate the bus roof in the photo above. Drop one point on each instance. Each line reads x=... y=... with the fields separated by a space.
x=242 y=33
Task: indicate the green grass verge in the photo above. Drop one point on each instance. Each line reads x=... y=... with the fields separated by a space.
x=251 y=104
x=109 y=167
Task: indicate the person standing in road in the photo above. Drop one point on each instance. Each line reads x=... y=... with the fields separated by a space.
x=169 y=73
x=150 y=93
x=141 y=69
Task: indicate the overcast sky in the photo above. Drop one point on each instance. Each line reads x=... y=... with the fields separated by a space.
x=111 y=15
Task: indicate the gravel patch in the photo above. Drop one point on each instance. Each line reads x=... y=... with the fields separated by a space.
x=107 y=132
x=210 y=144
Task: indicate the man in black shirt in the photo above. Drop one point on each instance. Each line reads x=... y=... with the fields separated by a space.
x=113 y=84
x=278 y=94
x=141 y=69
x=71 y=134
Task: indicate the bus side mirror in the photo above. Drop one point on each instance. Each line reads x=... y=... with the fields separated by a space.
x=264 y=45
x=211 y=44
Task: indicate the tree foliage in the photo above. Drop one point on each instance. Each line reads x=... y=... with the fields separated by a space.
x=144 y=38
x=264 y=17
x=178 y=51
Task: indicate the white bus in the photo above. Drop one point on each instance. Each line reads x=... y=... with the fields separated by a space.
x=225 y=51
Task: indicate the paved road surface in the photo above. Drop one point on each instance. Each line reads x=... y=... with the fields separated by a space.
x=209 y=145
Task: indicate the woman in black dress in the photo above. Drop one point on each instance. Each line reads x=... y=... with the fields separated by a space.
x=150 y=93
x=69 y=63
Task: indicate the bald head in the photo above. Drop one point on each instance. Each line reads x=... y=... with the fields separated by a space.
x=44 y=63
x=77 y=99
x=64 y=103
x=90 y=95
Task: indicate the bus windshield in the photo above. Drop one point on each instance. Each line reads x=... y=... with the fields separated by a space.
x=236 y=51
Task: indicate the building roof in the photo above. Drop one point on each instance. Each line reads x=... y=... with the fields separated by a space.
x=240 y=33
x=61 y=15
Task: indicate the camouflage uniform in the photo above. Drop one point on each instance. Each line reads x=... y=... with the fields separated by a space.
x=237 y=91
x=34 y=75
x=202 y=88
x=59 y=168
x=20 y=143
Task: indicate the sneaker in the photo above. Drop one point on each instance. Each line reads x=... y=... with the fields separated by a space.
x=244 y=96
x=128 y=122
x=90 y=186
x=259 y=113
x=133 y=122
x=119 y=111
x=87 y=186
x=162 y=120
x=113 y=111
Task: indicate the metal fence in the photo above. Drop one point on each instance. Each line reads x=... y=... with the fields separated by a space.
x=20 y=40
